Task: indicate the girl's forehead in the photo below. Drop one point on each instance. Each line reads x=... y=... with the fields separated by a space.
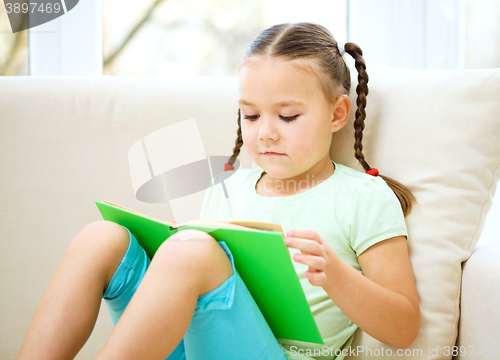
x=274 y=76
x=269 y=71
x=260 y=62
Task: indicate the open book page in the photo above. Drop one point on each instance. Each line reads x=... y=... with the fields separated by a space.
x=135 y=212
x=234 y=224
x=238 y=224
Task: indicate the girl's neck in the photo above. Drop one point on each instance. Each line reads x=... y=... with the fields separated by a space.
x=269 y=187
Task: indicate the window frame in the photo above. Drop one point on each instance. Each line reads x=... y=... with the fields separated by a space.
x=416 y=34
x=70 y=45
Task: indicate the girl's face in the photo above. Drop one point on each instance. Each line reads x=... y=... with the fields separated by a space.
x=284 y=110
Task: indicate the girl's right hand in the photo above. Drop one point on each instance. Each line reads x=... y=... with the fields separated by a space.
x=172 y=221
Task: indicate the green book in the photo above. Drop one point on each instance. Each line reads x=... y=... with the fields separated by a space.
x=261 y=258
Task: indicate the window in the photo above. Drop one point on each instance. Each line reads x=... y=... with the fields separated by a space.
x=199 y=37
x=208 y=37
x=427 y=34
x=482 y=34
x=13 y=47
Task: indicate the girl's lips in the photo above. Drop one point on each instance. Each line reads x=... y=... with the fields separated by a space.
x=273 y=154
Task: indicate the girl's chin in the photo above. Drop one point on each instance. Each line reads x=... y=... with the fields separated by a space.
x=276 y=172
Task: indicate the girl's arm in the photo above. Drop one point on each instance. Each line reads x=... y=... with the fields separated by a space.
x=383 y=301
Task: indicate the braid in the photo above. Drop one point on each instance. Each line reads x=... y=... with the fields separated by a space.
x=404 y=195
x=362 y=91
x=238 y=143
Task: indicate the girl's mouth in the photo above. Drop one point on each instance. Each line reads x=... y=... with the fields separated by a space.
x=273 y=154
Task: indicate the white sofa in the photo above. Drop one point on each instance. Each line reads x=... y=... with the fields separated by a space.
x=64 y=144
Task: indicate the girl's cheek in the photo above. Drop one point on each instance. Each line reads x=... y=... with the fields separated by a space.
x=247 y=139
x=299 y=141
x=245 y=135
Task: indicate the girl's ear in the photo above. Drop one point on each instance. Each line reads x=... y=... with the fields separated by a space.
x=341 y=111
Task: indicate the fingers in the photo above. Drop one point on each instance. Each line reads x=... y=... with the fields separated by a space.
x=304 y=245
x=306 y=234
x=311 y=248
x=314 y=252
x=316 y=278
x=315 y=263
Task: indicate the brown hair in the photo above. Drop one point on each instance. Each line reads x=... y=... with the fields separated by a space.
x=312 y=41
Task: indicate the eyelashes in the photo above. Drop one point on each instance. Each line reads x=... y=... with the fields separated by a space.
x=289 y=118
x=285 y=118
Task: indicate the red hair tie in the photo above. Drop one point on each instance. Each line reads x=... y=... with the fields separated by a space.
x=372 y=171
x=228 y=167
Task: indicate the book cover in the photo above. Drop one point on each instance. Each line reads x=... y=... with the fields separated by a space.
x=261 y=257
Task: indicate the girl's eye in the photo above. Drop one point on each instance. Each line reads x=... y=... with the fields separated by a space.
x=286 y=118
x=251 y=117
x=289 y=118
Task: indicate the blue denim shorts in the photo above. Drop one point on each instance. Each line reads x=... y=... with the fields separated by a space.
x=226 y=324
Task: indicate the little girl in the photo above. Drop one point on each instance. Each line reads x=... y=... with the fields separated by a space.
x=345 y=230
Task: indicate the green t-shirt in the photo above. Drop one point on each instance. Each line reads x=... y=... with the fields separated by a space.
x=350 y=210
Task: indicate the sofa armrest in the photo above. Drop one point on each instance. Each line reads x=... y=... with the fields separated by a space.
x=479 y=315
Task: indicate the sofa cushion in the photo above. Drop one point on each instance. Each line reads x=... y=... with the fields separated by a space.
x=438 y=133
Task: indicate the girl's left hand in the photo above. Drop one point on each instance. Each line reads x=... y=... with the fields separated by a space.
x=315 y=252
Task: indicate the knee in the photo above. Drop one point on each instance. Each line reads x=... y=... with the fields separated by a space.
x=192 y=248
x=191 y=235
x=103 y=237
x=198 y=254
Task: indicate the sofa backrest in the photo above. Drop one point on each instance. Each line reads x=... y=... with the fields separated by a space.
x=64 y=144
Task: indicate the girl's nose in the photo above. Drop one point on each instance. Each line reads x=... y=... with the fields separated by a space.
x=268 y=129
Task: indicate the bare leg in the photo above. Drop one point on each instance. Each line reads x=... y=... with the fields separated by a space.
x=160 y=311
x=67 y=312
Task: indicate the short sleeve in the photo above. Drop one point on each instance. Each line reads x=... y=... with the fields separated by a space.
x=374 y=215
